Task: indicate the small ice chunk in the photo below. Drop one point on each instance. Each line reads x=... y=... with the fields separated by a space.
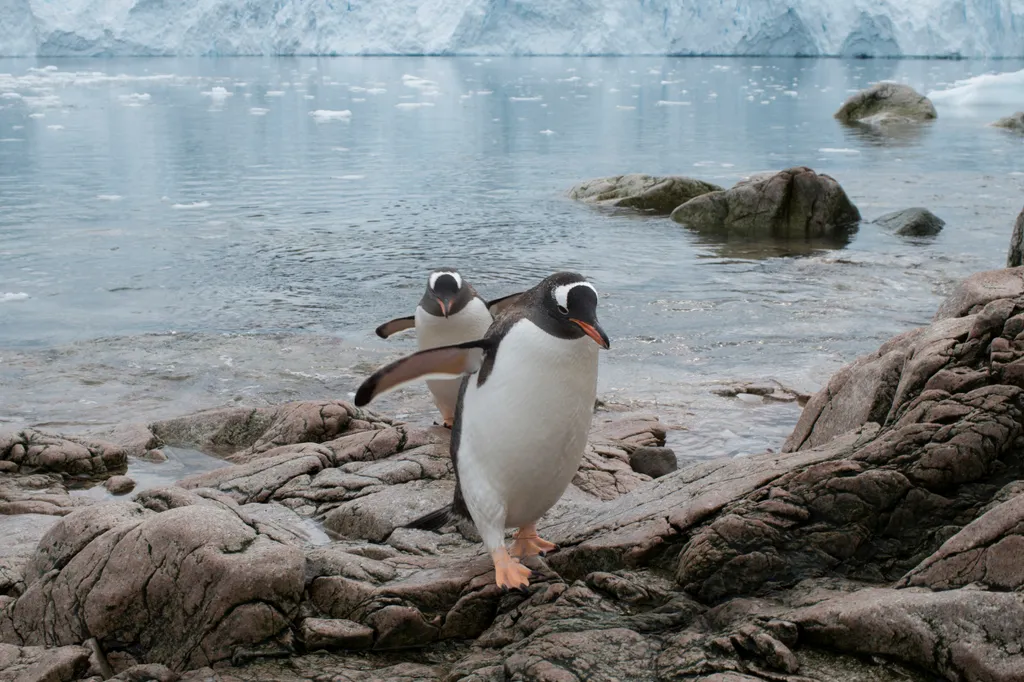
x=323 y=115
x=109 y=197
x=10 y=296
x=413 y=105
x=673 y=103
x=350 y=177
x=194 y=204
x=275 y=93
x=56 y=126
x=217 y=93
x=525 y=99
x=258 y=111
x=547 y=132
x=838 y=150
x=624 y=107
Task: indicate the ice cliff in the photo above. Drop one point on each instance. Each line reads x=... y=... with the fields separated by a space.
x=968 y=28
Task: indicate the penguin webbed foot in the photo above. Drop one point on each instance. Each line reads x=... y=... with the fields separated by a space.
x=447 y=425
x=528 y=543
x=509 y=574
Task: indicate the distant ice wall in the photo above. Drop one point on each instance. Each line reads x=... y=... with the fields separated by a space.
x=968 y=28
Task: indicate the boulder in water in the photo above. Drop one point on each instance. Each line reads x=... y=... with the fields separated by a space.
x=911 y=222
x=644 y=192
x=795 y=203
x=885 y=103
x=1014 y=122
x=1015 y=257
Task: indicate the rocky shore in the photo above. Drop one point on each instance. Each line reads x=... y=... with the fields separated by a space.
x=886 y=542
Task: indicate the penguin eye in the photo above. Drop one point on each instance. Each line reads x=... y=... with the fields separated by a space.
x=562 y=309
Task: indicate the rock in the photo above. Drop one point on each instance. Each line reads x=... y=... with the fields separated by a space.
x=34 y=451
x=119 y=485
x=187 y=587
x=960 y=634
x=374 y=516
x=1015 y=256
x=653 y=461
x=885 y=103
x=38 y=494
x=911 y=222
x=988 y=551
x=1014 y=122
x=34 y=663
x=796 y=203
x=643 y=192
x=980 y=289
x=335 y=633
x=152 y=672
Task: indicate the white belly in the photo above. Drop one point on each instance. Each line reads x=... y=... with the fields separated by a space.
x=524 y=431
x=469 y=324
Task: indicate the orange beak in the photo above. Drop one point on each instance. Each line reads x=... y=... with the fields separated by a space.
x=594 y=332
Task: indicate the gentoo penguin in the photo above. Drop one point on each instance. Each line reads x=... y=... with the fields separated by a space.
x=522 y=415
x=450 y=312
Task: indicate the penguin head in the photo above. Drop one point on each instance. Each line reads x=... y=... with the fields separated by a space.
x=445 y=290
x=570 y=306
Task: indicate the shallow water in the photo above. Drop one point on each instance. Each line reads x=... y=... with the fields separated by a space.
x=179 y=234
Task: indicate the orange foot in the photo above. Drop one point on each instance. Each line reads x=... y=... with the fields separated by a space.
x=509 y=574
x=528 y=543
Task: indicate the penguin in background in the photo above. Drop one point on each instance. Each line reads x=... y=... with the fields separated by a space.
x=522 y=416
x=449 y=312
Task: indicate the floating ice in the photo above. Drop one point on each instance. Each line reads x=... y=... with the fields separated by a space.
x=324 y=115
x=350 y=177
x=134 y=99
x=194 y=204
x=1005 y=90
x=547 y=132
x=624 y=107
x=413 y=105
x=257 y=111
x=55 y=126
x=217 y=93
x=671 y=103
x=838 y=150
x=9 y=296
x=275 y=93
x=537 y=98
x=109 y=197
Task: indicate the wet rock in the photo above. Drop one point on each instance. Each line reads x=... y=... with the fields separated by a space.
x=34 y=451
x=1015 y=256
x=333 y=633
x=959 y=634
x=643 y=192
x=653 y=461
x=374 y=516
x=119 y=485
x=980 y=289
x=32 y=663
x=1014 y=122
x=796 y=203
x=911 y=222
x=769 y=390
x=886 y=103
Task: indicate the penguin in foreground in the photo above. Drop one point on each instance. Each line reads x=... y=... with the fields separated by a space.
x=522 y=416
x=450 y=312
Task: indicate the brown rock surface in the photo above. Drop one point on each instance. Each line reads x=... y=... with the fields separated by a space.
x=883 y=545
x=886 y=103
x=795 y=203
x=643 y=192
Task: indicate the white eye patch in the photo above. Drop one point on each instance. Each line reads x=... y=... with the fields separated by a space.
x=435 y=275
x=561 y=293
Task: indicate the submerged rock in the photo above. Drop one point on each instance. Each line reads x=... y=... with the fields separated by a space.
x=886 y=103
x=1014 y=122
x=796 y=204
x=643 y=192
x=911 y=222
x=119 y=485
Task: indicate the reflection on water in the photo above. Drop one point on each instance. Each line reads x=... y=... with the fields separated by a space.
x=179 y=234
x=181 y=462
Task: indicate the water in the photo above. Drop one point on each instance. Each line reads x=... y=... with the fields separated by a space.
x=180 y=234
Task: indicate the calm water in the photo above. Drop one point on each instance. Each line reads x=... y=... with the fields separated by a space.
x=179 y=234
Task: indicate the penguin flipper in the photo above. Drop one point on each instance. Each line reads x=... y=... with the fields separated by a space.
x=435 y=520
x=399 y=324
x=444 y=362
x=499 y=304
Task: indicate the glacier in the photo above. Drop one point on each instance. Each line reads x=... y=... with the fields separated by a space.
x=852 y=28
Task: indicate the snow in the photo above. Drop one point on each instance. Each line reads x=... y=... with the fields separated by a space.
x=969 y=28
